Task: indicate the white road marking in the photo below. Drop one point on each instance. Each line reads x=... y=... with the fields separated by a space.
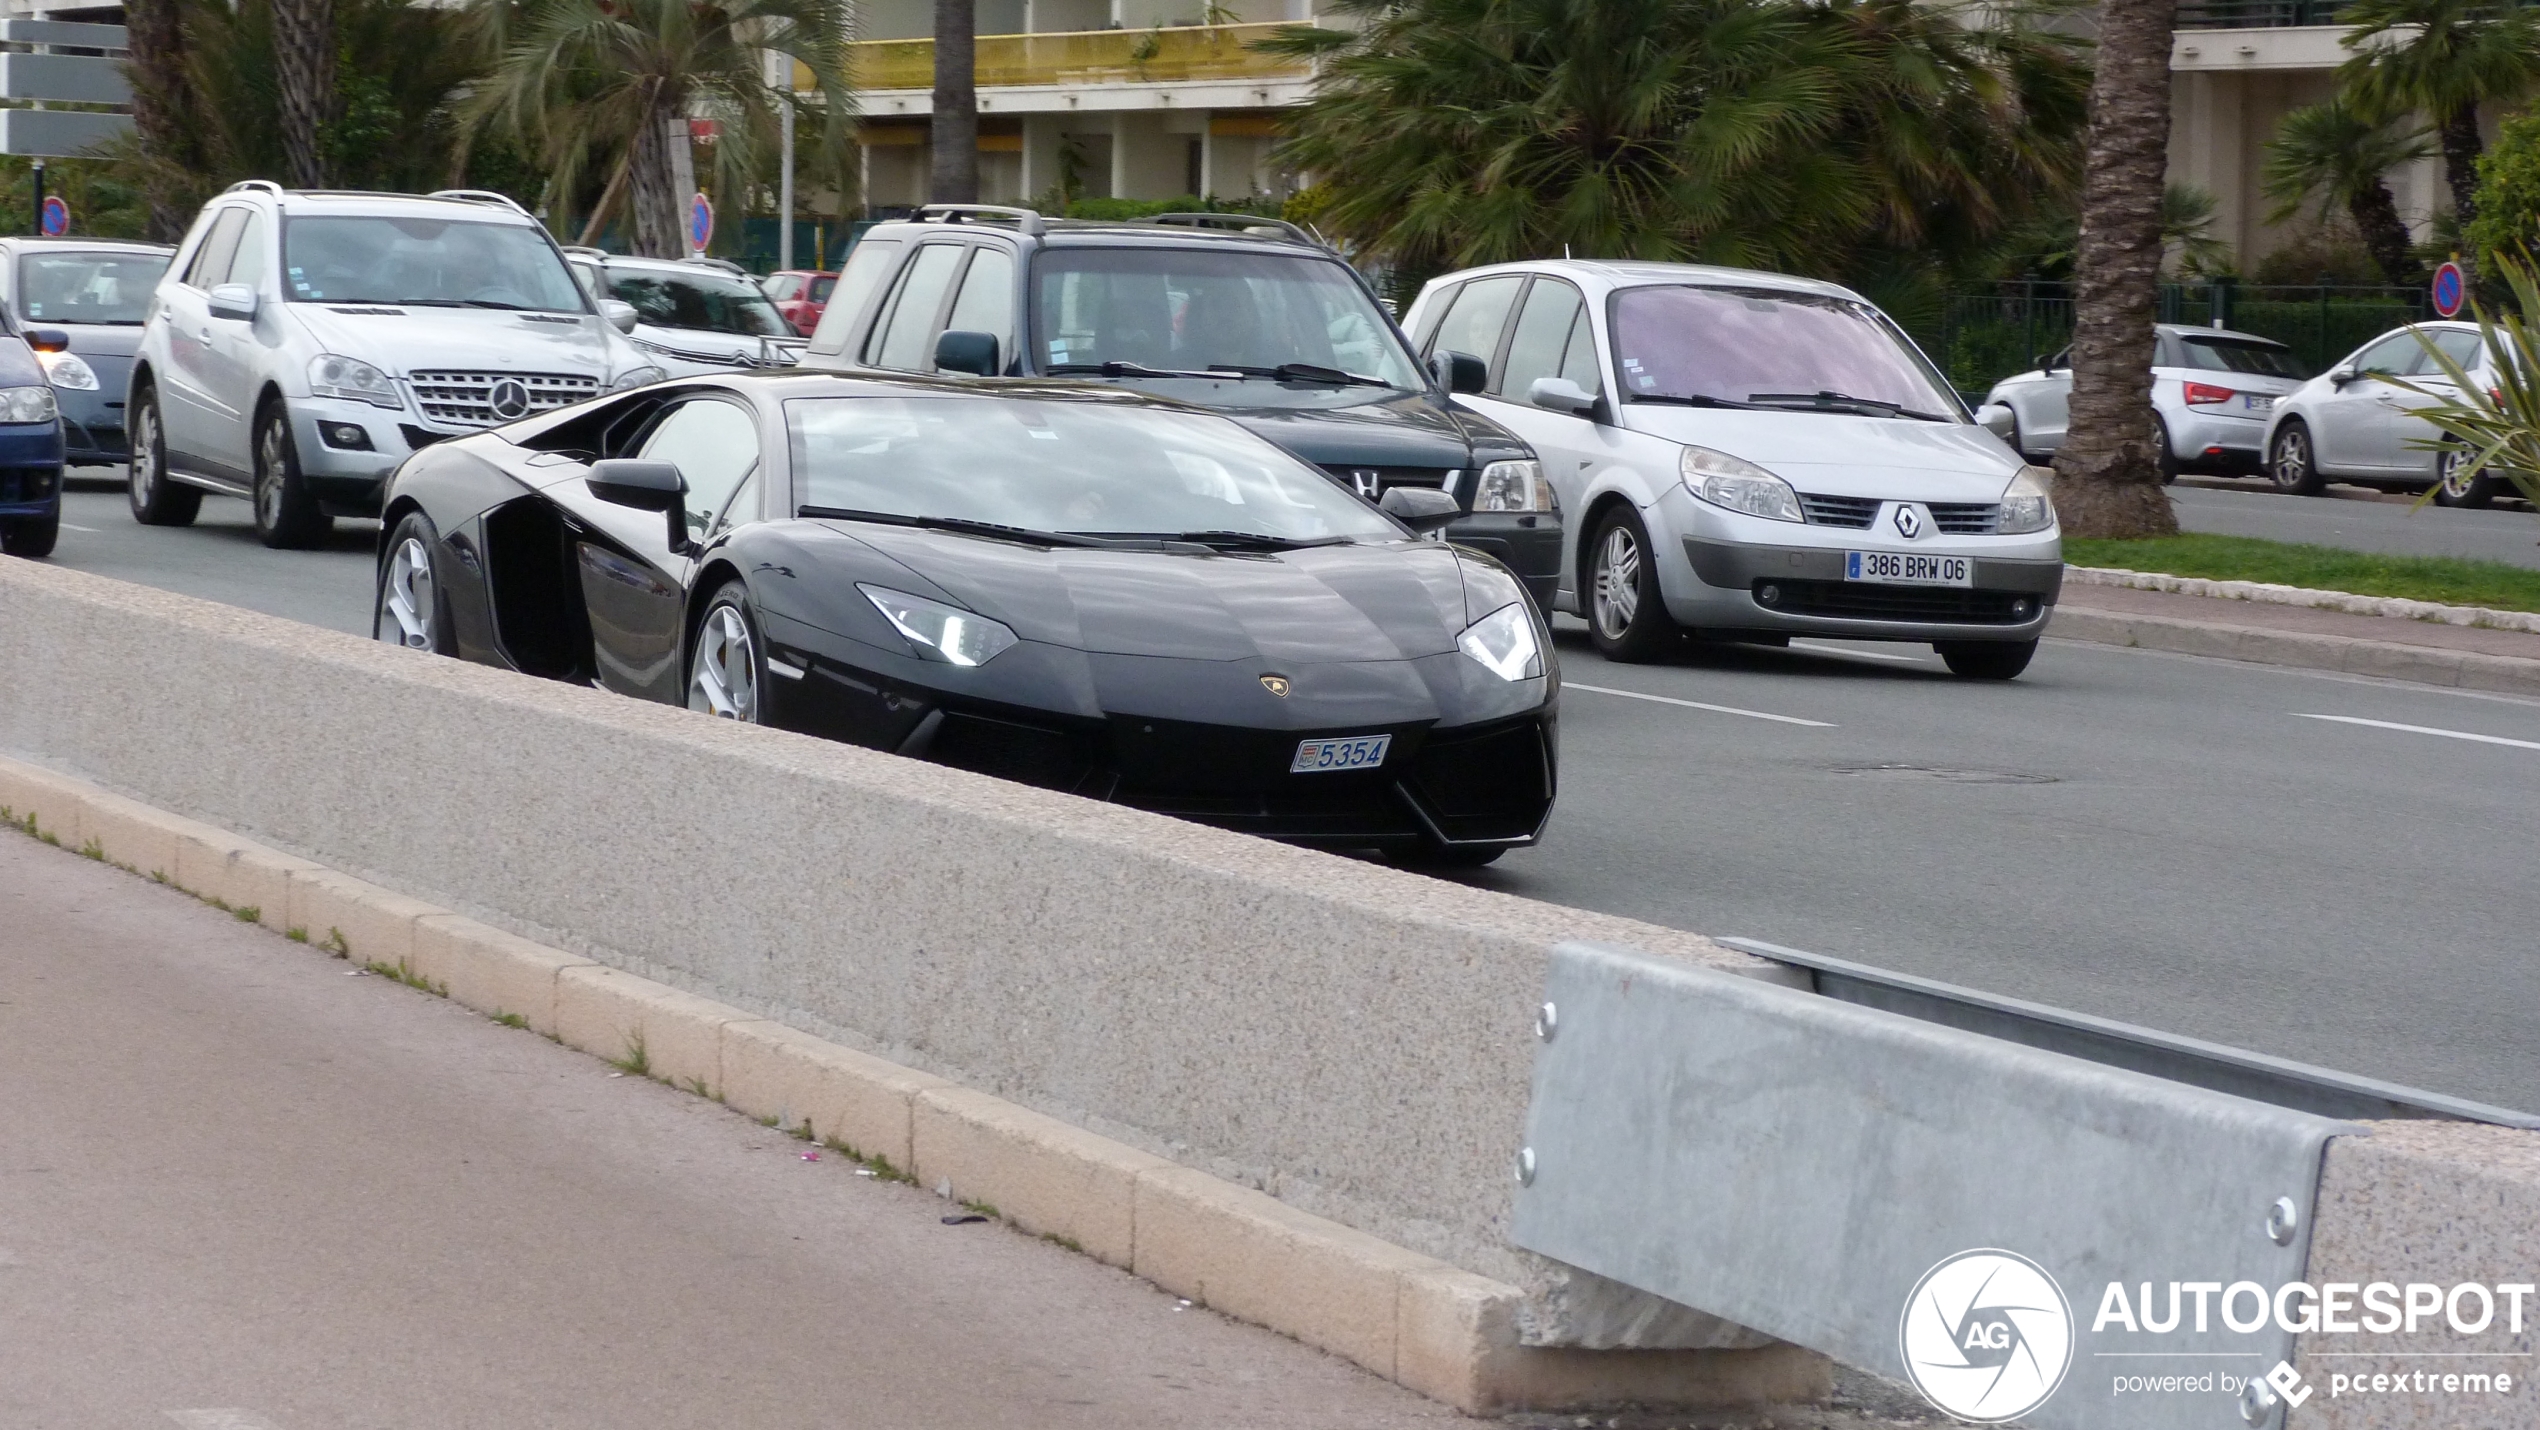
x=1696 y=705
x=1863 y=654
x=221 y=1420
x=2423 y=730
x=74 y=526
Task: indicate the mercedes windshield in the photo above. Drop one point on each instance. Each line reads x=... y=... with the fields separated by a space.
x=412 y=261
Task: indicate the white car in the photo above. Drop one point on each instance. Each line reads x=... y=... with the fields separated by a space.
x=694 y=315
x=1751 y=456
x=2212 y=392
x=2349 y=425
x=302 y=344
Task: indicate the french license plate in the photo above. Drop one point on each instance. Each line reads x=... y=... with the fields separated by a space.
x=2258 y=401
x=1904 y=568
x=1358 y=752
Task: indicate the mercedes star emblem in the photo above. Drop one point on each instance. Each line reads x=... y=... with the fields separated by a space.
x=509 y=399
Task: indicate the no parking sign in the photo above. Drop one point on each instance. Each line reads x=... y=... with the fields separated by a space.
x=700 y=222
x=2448 y=290
x=55 y=219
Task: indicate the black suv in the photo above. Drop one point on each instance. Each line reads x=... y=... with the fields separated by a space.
x=1252 y=317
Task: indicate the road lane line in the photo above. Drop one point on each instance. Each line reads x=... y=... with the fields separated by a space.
x=1697 y=705
x=1863 y=654
x=74 y=526
x=220 y=1420
x=2423 y=730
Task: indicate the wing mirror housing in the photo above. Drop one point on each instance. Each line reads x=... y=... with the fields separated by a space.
x=2339 y=377
x=233 y=300
x=645 y=486
x=48 y=340
x=1423 y=509
x=1460 y=372
x=1995 y=419
x=621 y=315
x=960 y=351
x=1560 y=394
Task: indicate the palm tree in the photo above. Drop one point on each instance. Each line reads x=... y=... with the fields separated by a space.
x=1758 y=132
x=162 y=105
x=2441 y=59
x=953 y=176
x=580 y=81
x=304 y=71
x=2108 y=483
x=2332 y=153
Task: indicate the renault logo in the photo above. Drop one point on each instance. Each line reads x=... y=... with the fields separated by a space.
x=1909 y=522
x=1365 y=480
x=1276 y=685
x=509 y=399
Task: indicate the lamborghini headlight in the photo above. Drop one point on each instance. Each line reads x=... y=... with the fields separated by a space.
x=28 y=404
x=2027 y=507
x=1513 y=486
x=1504 y=643
x=940 y=632
x=1738 y=484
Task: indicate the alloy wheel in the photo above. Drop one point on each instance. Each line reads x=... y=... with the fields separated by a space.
x=269 y=459
x=2292 y=468
x=1617 y=595
x=145 y=456
x=406 y=598
x=2452 y=476
x=723 y=676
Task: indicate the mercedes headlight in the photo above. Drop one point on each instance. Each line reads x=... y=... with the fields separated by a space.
x=28 y=404
x=636 y=377
x=1513 y=486
x=353 y=380
x=2027 y=507
x=1504 y=643
x=68 y=371
x=1738 y=484
x=940 y=632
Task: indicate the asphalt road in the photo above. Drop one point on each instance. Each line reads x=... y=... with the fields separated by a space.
x=218 y=557
x=2358 y=520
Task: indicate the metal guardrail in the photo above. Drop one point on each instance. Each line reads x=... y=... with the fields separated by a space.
x=1163 y=55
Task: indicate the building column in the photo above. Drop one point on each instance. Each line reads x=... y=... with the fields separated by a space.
x=1119 y=148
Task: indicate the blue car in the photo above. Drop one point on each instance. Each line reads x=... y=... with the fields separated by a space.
x=97 y=291
x=30 y=445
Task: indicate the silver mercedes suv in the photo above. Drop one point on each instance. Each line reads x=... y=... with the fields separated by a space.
x=303 y=343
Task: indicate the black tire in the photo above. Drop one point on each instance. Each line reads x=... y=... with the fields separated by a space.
x=1627 y=619
x=287 y=517
x=2164 y=456
x=30 y=536
x=157 y=499
x=408 y=607
x=2471 y=495
x=2293 y=465
x=718 y=670
x=1985 y=660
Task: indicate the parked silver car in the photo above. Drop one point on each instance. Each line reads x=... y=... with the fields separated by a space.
x=1752 y=456
x=2212 y=391
x=95 y=292
x=303 y=344
x=2350 y=425
x=692 y=316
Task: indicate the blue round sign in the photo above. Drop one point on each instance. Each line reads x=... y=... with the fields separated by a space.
x=2447 y=289
x=700 y=222
x=57 y=216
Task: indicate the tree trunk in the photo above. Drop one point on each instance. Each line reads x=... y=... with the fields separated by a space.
x=2461 y=148
x=655 y=197
x=955 y=133
x=2108 y=481
x=304 y=70
x=162 y=103
x=2376 y=216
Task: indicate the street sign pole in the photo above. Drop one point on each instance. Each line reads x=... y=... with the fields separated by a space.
x=39 y=196
x=785 y=185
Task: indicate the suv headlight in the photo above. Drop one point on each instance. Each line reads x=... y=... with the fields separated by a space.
x=1738 y=484
x=940 y=632
x=353 y=380
x=1513 y=486
x=635 y=377
x=2028 y=506
x=28 y=404
x=1504 y=643
x=68 y=371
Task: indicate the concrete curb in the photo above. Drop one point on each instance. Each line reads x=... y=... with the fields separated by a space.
x=1422 y=1323
x=2389 y=660
x=2269 y=593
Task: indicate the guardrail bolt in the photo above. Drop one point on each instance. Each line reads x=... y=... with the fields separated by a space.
x=1547 y=1022
x=2282 y=1220
x=1525 y=1166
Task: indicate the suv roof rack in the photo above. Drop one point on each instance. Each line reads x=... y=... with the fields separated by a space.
x=1238 y=223
x=578 y=250
x=1027 y=220
x=266 y=186
x=726 y=264
x=480 y=196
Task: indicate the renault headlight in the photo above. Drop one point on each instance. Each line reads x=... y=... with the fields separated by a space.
x=352 y=380
x=1738 y=484
x=68 y=371
x=2027 y=506
x=28 y=404
x=940 y=632
x=1504 y=643
x=1513 y=486
x=635 y=377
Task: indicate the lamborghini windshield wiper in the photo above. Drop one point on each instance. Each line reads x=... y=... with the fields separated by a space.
x=1840 y=401
x=962 y=525
x=1255 y=540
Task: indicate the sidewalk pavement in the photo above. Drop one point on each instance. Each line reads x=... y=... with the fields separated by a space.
x=2468 y=657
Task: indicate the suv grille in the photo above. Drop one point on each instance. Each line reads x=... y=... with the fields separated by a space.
x=1385 y=479
x=1854 y=512
x=1966 y=518
x=462 y=398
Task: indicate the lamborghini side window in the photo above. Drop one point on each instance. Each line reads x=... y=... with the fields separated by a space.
x=714 y=444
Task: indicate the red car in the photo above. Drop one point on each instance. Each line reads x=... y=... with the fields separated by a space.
x=800 y=294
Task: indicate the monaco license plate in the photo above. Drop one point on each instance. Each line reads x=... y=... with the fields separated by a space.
x=1905 y=568
x=1357 y=752
x=2258 y=401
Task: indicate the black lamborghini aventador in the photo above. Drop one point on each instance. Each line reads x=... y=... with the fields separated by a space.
x=1074 y=587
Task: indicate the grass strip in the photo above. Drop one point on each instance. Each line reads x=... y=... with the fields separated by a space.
x=2452 y=581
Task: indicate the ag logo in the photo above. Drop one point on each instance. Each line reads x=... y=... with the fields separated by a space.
x=510 y=399
x=1909 y=522
x=1987 y=1336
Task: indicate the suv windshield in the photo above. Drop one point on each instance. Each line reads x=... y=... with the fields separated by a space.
x=1753 y=345
x=1191 y=310
x=2232 y=355
x=1078 y=467
x=98 y=286
x=704 y=300
x=429 y=262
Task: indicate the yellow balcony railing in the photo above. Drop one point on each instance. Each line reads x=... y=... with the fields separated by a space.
x=1159 y=56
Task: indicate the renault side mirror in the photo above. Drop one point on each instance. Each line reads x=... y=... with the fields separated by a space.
x=960 y=351
x=1460 y=372
x=1423 y=509
x=1560 y=394
x=233 y=300
x=621 y=315
x=645 y=486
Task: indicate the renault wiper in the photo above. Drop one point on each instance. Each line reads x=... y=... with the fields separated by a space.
x=963 y=525
x=1839 y=401
x=1685 y=400
x=1123 y=369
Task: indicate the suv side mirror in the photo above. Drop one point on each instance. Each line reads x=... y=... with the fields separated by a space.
x=1423 y=509
x=233 y=300
x=973 y=353
x=621 y=315
x=1560 y=394
x=1460 y=372
x=645 y=486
